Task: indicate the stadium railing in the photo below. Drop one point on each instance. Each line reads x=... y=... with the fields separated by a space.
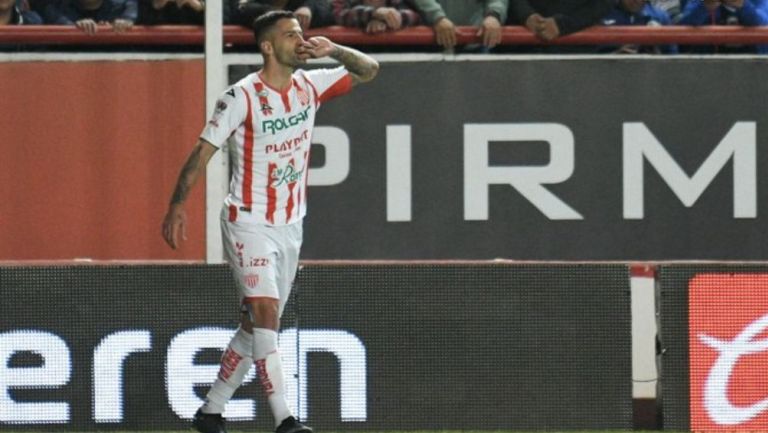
x=417 y=36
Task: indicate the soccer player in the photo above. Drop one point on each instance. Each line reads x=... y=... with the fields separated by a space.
x=268 y=118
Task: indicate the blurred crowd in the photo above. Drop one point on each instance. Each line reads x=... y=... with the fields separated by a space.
x=546 y=19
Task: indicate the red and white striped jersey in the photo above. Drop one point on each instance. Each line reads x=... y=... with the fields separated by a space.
x=269 y=132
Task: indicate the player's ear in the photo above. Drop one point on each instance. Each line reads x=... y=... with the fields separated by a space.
x=266 y=47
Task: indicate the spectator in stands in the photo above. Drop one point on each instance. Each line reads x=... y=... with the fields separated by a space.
x=673 y=8
x=551 y=19
x=17 y=12
x=311 y=13
x=374 y=16
x=154 y=12
x=445 y=15
x=637 y=13
x=88 y=14
x=726 y=12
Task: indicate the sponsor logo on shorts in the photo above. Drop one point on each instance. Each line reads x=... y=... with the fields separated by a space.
x=240 y=248
x=257 y=262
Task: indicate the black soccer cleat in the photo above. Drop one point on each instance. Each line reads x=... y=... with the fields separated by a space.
x=208 y=422
x=291 y=425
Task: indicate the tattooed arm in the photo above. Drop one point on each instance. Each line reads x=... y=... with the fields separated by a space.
x=175 y=222
x=362 y=67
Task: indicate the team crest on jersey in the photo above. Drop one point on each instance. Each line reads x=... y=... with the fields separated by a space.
x=303 y=96
x=251 y=280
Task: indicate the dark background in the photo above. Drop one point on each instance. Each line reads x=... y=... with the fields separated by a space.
x=453 y=346
x=688 y=104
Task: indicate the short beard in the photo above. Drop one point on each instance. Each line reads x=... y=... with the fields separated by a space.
x=291 y=61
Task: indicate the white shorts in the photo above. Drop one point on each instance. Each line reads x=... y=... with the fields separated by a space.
x=264 y=259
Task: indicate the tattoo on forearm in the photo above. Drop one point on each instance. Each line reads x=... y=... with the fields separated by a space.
x=355 y=61
x=187 y=177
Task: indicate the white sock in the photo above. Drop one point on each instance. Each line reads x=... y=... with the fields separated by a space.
x=235 y=363
x=269 y=367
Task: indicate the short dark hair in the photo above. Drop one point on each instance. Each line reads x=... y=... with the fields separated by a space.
x=264 y=23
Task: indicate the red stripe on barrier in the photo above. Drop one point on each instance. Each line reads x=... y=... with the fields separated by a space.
x=642 y=270
x=419 y=35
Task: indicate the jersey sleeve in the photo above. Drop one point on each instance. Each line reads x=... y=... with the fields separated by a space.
x=228 y=115
x=329 y=83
